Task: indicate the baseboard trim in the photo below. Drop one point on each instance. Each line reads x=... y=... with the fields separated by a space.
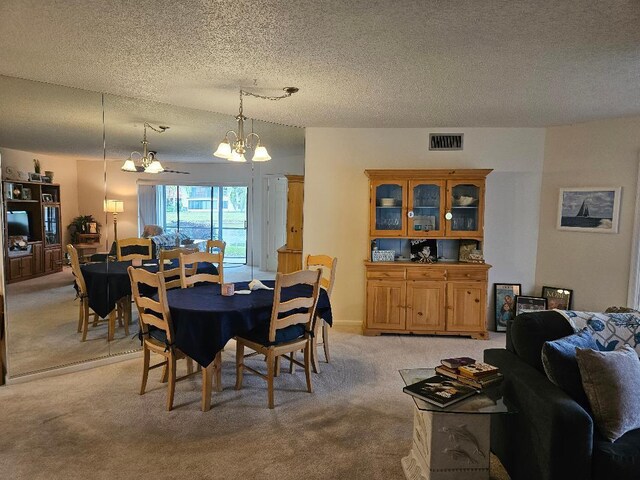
x=352 y=326
x=76 y=367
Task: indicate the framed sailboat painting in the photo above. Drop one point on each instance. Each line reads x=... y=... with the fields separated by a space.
x=589 y=209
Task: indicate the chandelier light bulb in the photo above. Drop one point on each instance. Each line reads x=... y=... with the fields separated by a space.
x=237 y=157
x=129 y=166
x=261 y=154
x=224 y=150
x=154 y=167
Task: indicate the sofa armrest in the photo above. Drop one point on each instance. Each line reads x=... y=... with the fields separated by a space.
x=550 y=437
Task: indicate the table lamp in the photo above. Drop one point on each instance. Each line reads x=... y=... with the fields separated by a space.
x=115 y=207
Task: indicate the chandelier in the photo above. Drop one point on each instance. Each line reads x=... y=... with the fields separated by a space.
x=234 y=152
x=148 y=161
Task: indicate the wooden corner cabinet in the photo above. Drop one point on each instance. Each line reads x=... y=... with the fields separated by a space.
x=441 y=209
x=32 y=229
x=290 y=254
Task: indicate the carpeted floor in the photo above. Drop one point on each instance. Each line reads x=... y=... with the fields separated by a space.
x=356 y=425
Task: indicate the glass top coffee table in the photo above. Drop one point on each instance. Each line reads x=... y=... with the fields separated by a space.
x=451 y=442
x=490 y=399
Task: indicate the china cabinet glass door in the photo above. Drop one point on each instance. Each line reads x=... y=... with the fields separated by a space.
x=51 y=225
x=464 y=209
x=388 y=209
x=426 y=204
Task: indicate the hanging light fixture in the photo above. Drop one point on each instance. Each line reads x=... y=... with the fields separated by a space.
x=234 y=152
x=148 y=161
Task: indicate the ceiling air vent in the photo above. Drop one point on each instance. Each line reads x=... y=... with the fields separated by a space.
x=446 y=141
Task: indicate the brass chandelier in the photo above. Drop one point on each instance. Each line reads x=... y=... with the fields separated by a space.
x=234 y=152
x=148 y=161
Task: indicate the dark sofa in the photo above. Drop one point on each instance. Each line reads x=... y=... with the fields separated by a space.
x=551 y=437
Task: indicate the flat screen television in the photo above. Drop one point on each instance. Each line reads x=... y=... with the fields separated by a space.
x=18 y=223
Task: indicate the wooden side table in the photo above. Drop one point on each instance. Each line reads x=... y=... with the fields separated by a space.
x=84 y=238
x=85 y=250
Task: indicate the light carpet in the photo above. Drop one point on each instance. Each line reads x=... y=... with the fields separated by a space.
x=356 y=425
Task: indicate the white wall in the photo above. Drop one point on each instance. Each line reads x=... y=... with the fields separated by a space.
x=594 y=265
x=337 y=197
x=65 y=174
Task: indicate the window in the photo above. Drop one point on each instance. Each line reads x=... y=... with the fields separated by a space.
x=195 y=211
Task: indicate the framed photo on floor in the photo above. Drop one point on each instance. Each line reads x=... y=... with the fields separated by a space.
x=526 y=304
x=557 y=297
x=505 y=294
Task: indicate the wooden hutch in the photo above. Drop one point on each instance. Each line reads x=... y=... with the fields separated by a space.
x=33 y=245
x=447 y=297
x=290 y=254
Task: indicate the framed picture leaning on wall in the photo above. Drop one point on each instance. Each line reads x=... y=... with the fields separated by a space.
x=505 y=294
x=529 y=304
x=557 y=297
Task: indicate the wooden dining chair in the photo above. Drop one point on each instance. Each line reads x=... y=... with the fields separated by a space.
x=158 y=335
x=189 y=264
x=138 y=245
x=85 y=312
x=172 y=274
x=288 y=331
x=327 y=265
x=216 y=246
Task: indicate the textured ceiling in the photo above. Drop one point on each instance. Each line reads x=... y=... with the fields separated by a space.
x=362 y=63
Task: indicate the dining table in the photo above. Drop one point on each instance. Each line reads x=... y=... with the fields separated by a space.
x=204 y=320
x=108 y=282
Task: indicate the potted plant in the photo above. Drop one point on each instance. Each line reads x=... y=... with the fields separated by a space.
x=80 y=225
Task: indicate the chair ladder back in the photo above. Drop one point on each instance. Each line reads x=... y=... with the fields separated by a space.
x=327 y=265
x=77 y=271
x=220 y=246
x=147 y=304
x=216 y=244
x=174 y=272
x=133 y=242
x=189 y=266
x=283 y=280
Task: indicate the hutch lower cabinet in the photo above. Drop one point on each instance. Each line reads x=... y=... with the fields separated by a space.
x=414 y=298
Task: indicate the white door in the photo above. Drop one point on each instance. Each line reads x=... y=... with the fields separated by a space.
x=275 y=220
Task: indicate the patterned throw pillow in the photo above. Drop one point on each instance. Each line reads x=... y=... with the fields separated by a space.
x=609 y=330
x=611 y=381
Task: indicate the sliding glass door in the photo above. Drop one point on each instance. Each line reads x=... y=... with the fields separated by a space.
x=202 y=212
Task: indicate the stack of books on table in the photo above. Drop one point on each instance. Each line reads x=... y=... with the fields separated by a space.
x=439 y=390
x=466 y=370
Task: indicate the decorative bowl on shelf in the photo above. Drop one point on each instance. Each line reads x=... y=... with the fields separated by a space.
x=464 y=201
x=387 y=202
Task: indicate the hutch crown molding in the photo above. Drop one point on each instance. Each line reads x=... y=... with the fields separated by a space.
x=447 y=297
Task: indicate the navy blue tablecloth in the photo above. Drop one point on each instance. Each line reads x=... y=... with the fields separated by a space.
x=204 y=321
x=108 y=282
